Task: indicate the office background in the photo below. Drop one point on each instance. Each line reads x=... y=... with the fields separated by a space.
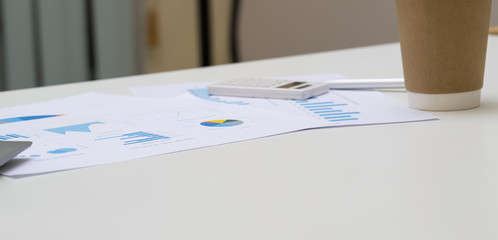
x=46 y=42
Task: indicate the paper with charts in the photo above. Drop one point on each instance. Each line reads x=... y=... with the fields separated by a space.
x=93 y=129
x=337 y=108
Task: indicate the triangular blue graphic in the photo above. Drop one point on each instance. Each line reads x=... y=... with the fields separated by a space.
x=85 y=127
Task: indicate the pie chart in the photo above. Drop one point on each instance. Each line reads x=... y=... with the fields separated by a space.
x=222 y=123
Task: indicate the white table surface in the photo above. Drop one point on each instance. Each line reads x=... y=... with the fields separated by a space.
x=425 y=180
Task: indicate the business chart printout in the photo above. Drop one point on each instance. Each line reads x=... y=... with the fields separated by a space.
x=93 y=129
x=336 y=108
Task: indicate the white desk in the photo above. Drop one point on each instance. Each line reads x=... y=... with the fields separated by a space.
x=426 y=180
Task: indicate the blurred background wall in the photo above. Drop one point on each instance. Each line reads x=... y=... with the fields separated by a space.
x=45 y=42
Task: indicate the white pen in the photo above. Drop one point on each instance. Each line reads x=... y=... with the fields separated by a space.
x=367 y=83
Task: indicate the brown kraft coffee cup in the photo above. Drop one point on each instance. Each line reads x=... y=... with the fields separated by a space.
x=443 y=47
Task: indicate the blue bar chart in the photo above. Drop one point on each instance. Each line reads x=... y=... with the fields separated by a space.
x=11 y=136
x=329 y=110
x=136 y=137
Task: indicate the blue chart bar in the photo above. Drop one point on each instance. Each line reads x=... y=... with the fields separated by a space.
x=329 y=111
x=11 y=136
x=137 y=137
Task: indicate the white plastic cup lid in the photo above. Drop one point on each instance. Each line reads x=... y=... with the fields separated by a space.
x=445 y=102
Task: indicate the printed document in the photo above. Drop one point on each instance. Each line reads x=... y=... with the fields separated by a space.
x=93 y=129
x=337 y=108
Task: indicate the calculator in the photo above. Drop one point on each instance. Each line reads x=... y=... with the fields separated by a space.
x=268 y=88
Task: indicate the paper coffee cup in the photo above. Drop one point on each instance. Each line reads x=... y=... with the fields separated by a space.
x=443 y=47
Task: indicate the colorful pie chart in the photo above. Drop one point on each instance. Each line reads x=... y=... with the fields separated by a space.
x=222 y=123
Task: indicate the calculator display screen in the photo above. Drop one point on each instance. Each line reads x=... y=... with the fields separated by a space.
x=292 y=84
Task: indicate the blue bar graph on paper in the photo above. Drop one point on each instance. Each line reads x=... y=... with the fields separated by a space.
x=136 y=137
x=328 y=110
x=325 y=111
x=342 y=119
x=11 y=136
x=318 y=109
x=339 y=113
